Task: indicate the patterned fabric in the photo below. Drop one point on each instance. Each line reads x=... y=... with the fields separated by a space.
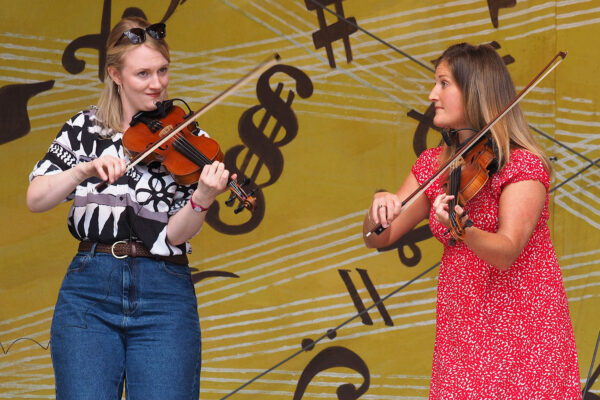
x=500 y=335
x=136 y=207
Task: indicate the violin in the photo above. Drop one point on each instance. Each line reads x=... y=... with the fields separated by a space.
x=556 y=60
x=465 y=178
x=168 y=135
x=183 y=155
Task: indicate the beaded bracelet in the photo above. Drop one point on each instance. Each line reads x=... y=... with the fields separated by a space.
x=197 y=207
x=458 y=232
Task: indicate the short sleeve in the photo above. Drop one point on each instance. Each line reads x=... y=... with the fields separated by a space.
x=61 y=155
x=426 y=164
x=523 y=166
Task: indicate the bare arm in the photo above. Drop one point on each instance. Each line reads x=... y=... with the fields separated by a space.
x=186 y=223
x=47 y=191
x=387 y=210
x=520 y=207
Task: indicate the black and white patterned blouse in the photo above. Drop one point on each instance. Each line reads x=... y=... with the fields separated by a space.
x=136 y=207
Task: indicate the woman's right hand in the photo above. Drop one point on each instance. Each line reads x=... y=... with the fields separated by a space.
x=384 y=209
x=47 y=191
x=387 y=211
x=108 y=168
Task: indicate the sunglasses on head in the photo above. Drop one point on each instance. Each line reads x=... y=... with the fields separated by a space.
x=138 y=35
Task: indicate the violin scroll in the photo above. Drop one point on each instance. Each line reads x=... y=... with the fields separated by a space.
x=247 y=201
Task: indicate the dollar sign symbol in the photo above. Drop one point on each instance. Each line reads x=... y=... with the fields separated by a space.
x=257 y=143
x=253 y=137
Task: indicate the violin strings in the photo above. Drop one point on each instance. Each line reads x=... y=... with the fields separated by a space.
x=190 y=151
x=454 y=188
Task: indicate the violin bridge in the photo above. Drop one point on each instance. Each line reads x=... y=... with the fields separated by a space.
x=457 y=162
x=165 y=131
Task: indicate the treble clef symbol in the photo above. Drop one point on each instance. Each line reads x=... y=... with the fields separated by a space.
x=264 y=146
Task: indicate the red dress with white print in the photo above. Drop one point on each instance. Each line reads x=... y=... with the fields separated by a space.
x=500 y=335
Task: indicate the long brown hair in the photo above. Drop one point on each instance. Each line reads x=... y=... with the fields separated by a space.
x=110 y=113
x=487 y=89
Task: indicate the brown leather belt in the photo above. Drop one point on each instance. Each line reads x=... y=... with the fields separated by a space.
x=123 y=249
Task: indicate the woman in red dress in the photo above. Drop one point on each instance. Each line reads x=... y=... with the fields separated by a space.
x=503 y=329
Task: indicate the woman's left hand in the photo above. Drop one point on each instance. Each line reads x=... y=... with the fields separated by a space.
x=441 y=208
x=212 y=182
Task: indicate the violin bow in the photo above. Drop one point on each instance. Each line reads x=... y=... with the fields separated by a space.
x=257 y=70
x=556 y=60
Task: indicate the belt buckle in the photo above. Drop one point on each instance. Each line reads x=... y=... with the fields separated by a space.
x=112 y=249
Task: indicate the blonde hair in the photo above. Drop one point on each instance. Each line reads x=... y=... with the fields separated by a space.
x=110 y=112
x=487 y=89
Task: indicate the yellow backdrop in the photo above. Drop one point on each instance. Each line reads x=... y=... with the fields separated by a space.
x=344 y=114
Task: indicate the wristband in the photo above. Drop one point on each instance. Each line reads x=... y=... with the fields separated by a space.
x=457 y=230
x=197 y=207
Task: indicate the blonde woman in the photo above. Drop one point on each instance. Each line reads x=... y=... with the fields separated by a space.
x=503 y=329
x=126 y=312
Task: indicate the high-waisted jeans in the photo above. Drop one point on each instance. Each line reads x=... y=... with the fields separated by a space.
x=133 y=320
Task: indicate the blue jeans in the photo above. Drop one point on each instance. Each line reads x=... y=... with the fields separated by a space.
x=133 y=320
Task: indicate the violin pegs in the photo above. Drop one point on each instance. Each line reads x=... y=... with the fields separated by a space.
x=230 y=200
x=194 y=128
x=239 y=209
x=244 y=181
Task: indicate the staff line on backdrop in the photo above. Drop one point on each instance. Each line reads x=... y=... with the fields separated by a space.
x=587 y=383
x=312 y=53
x=385 y=43
x=576 y=174
x=332 y=333
x=591 y=163
x=377 y=38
